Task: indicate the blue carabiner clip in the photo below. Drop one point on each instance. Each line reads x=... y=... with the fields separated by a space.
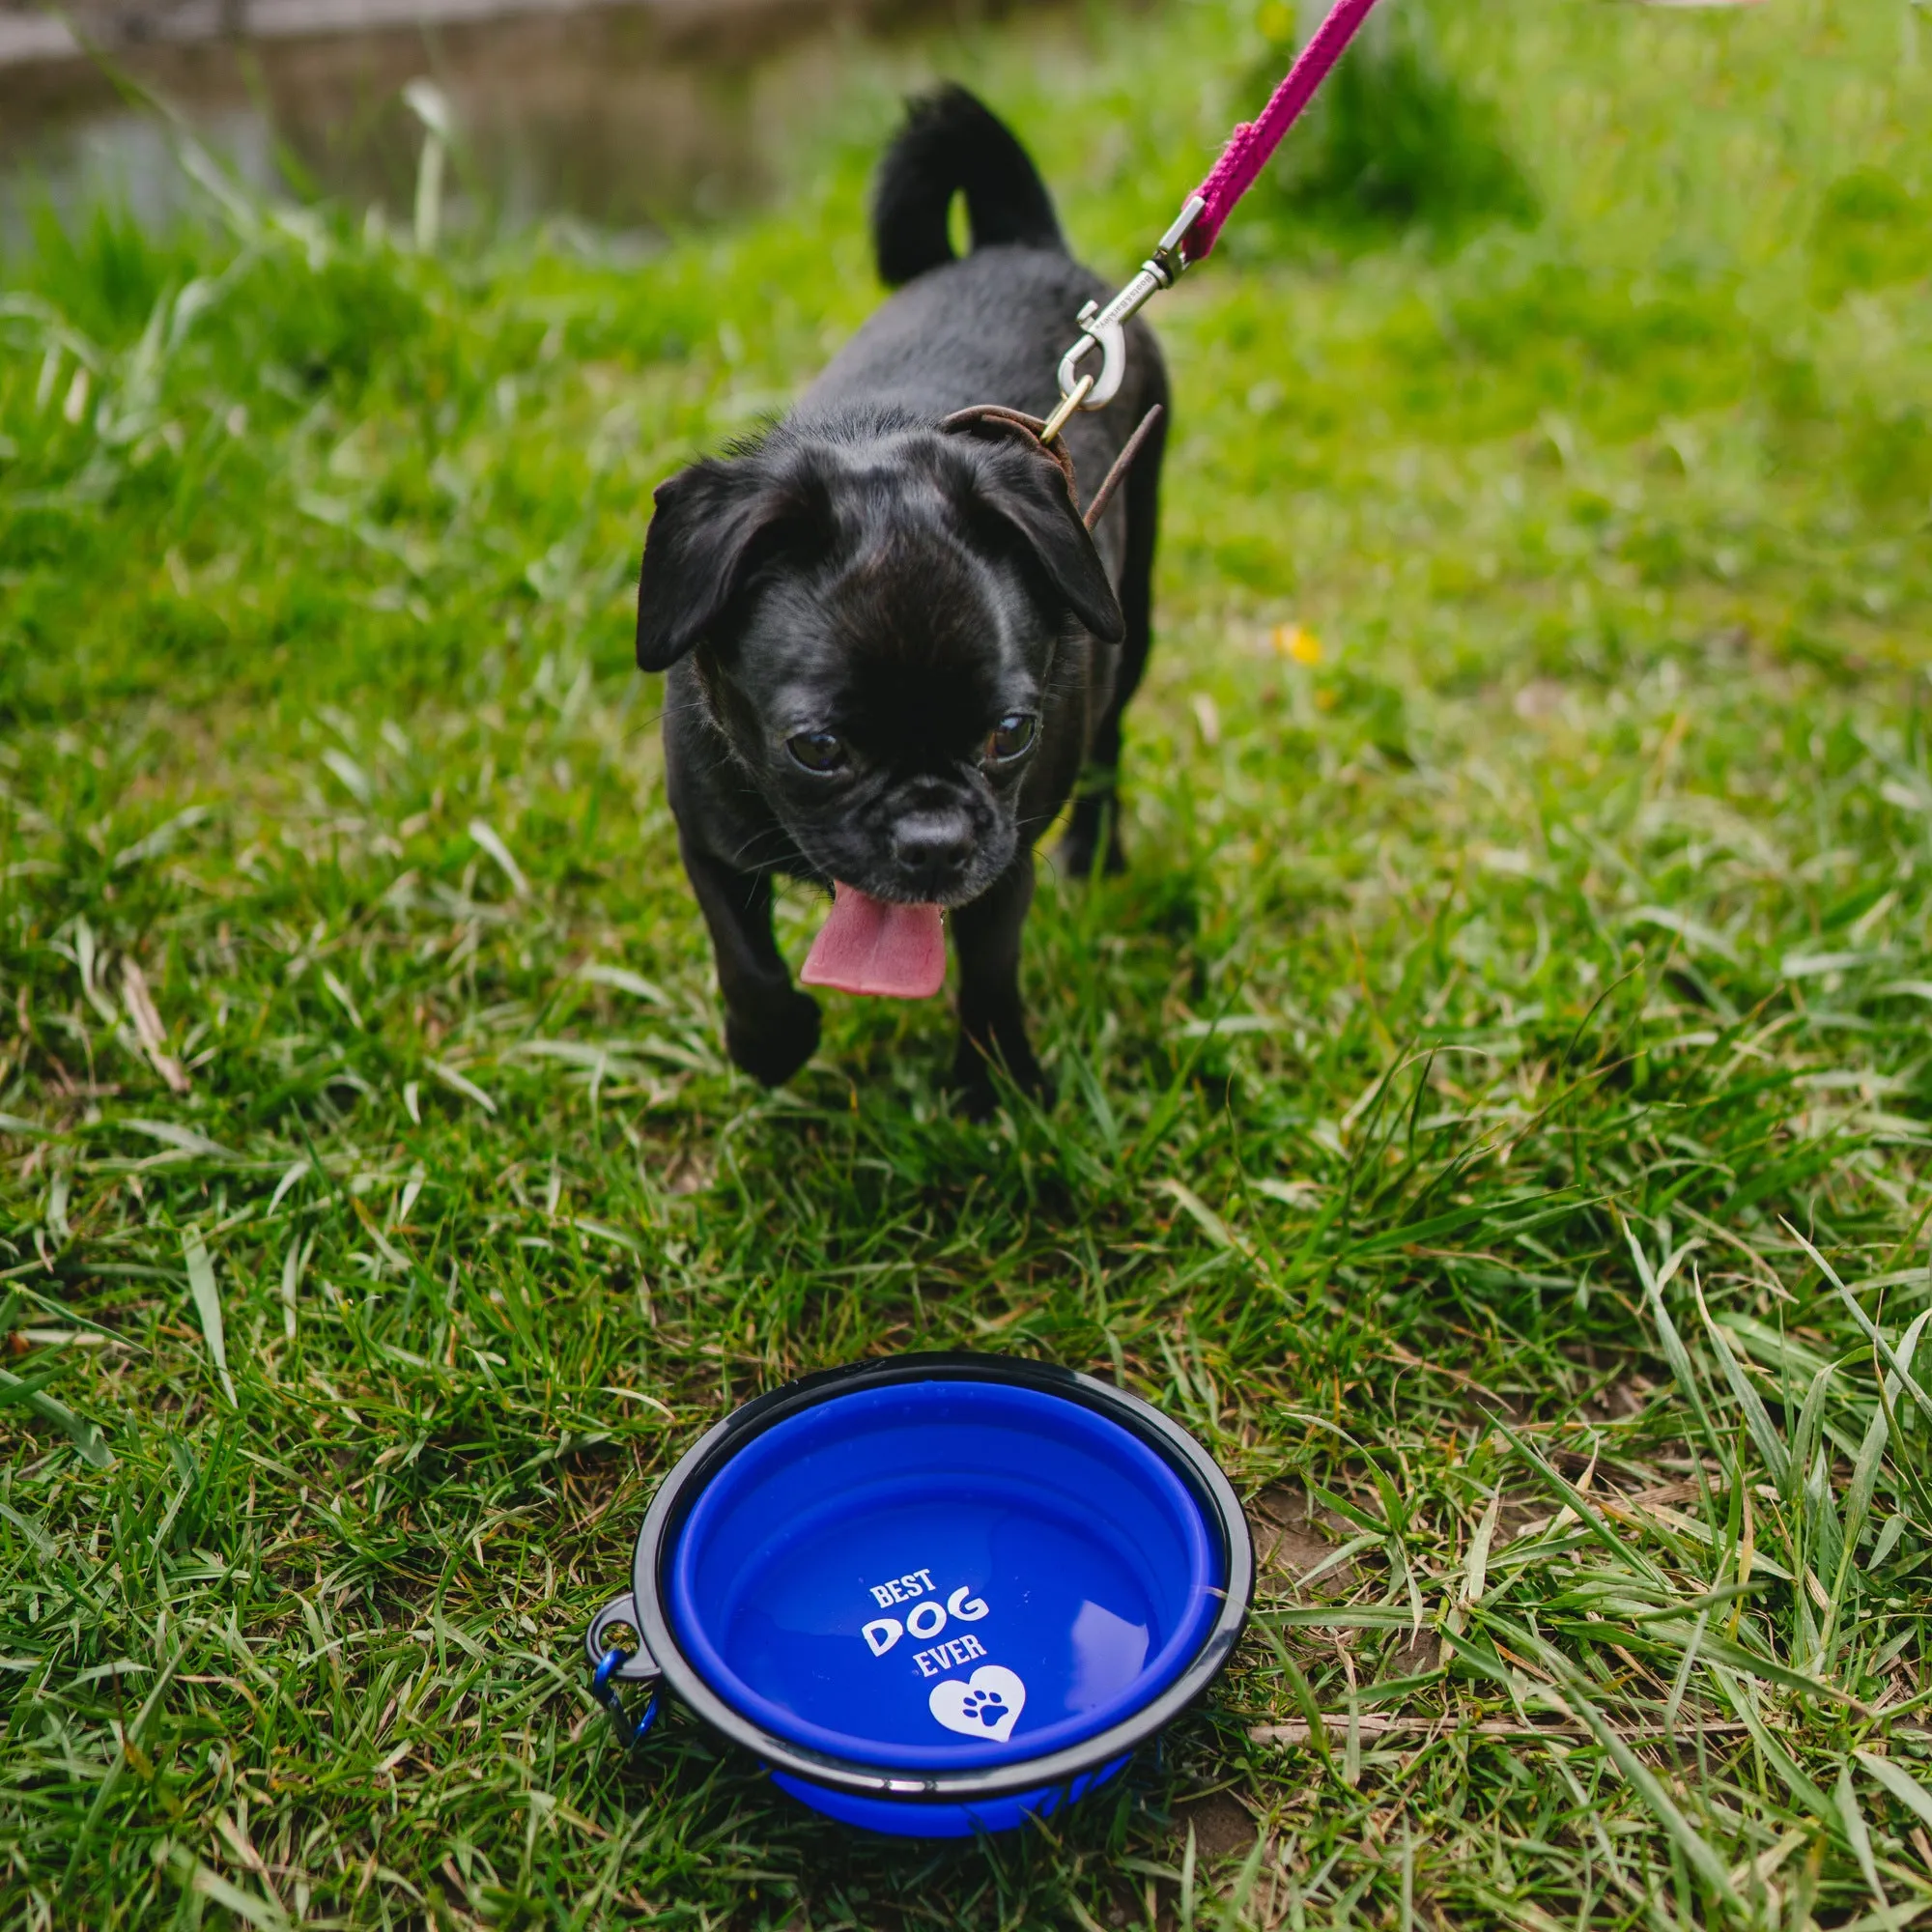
x=603 y=1687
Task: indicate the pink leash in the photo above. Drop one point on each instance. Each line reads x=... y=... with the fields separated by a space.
x=1253 y=142
x=1197 y=226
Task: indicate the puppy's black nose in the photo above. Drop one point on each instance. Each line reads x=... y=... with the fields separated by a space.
x=931 y=846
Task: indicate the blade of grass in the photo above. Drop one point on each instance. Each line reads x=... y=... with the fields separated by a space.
x=88 y=1442
x=1900 y=1783
x=207 y=1297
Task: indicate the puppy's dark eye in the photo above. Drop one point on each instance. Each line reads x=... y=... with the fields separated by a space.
x=1012 y=737
x=817 y=751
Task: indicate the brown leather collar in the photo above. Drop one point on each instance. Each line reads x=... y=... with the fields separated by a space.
x=996 y=419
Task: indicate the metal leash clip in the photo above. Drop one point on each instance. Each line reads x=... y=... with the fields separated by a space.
x=1105 y=329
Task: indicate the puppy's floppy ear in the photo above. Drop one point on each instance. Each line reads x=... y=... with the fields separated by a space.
x=715 y=523
x=1027 y=491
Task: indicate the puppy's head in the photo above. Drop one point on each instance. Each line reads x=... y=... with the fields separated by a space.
x=878 y=619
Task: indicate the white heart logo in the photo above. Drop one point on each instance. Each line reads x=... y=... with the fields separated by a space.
x=985 y=1705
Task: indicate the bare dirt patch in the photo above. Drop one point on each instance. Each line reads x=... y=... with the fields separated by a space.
x=1292 y=1542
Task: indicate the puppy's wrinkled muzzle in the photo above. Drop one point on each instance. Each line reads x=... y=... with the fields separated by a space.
x=873 y=946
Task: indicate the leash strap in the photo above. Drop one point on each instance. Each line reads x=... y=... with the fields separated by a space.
x=1197 y=226
x=1253 y=143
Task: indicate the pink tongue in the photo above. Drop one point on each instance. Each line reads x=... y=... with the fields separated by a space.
x=869 y=946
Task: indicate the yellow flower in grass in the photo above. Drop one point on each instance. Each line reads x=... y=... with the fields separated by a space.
x=1293 y=641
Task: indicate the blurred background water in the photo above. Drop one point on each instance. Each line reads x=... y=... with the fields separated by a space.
x=618 y=115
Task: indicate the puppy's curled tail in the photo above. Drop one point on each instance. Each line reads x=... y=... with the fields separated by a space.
x=952 y=142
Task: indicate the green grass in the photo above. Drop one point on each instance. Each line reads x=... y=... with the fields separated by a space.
x=1511 y=1030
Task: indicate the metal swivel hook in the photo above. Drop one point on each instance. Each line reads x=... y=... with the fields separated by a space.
x=1106 y=329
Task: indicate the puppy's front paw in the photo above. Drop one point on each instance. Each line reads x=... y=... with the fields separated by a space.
x=1091 y=835
x=973 y=1078
x=772 y=1044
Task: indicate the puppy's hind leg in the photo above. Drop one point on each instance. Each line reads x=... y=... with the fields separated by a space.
x=1093 y=831
x=771 y=1029
x=992 y=1026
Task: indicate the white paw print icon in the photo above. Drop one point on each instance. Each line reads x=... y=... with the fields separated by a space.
x=986 y=1705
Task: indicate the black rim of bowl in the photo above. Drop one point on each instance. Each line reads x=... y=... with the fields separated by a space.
x=1189 y=1460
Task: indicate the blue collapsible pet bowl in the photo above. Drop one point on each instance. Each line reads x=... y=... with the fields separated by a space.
x=937 y=1593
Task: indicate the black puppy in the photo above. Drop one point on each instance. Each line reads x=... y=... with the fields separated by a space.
x=892 y=645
